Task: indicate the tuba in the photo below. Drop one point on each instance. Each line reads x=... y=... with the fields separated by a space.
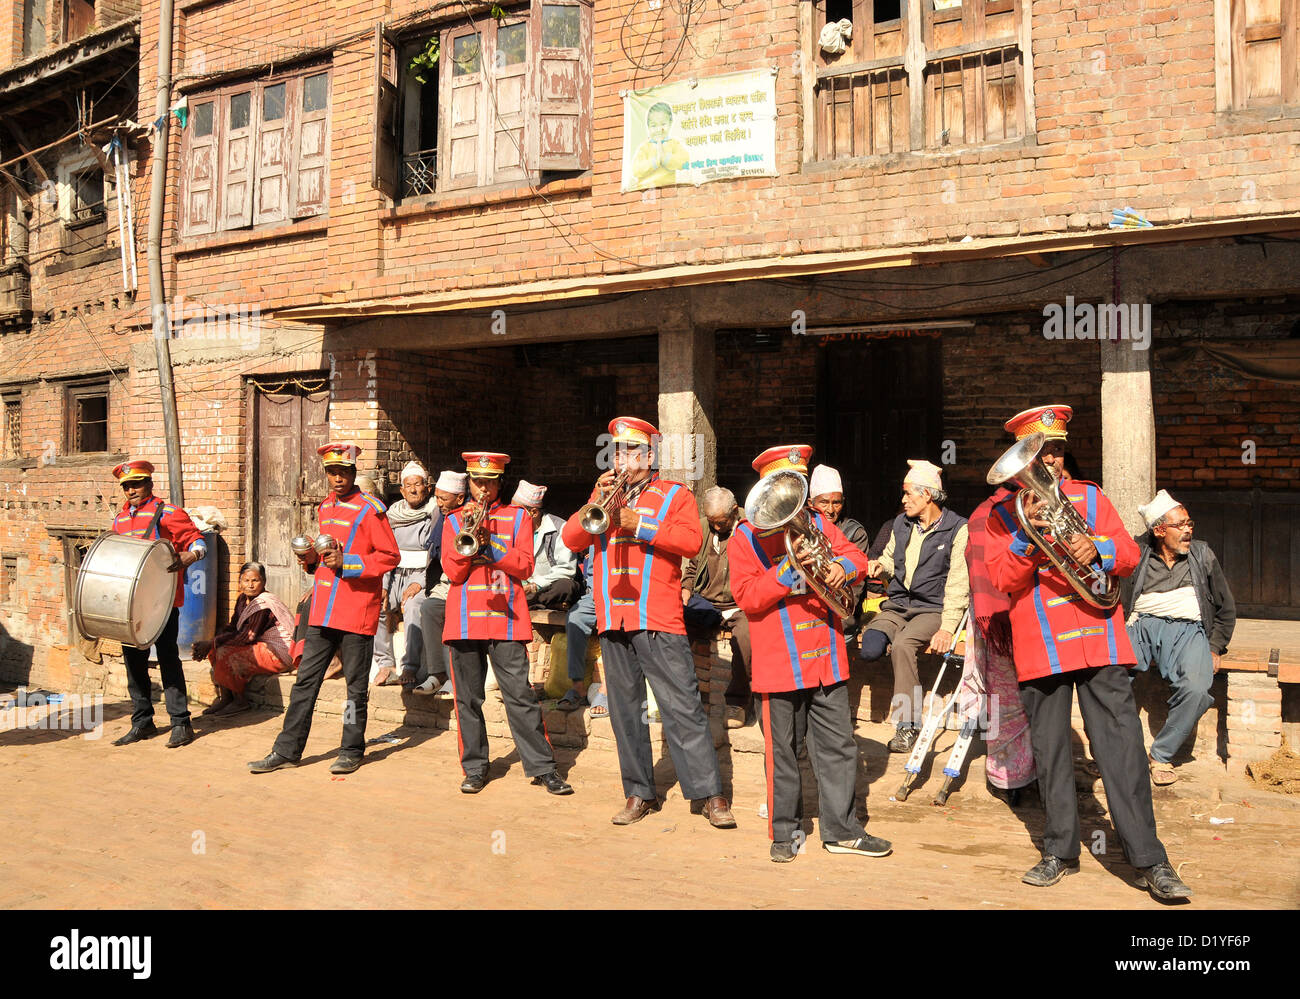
x=594 y=517
x=778 y=500
x=1019 y=466
x=467 y=543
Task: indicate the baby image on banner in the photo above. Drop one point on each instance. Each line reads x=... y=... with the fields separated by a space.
x=692 y=132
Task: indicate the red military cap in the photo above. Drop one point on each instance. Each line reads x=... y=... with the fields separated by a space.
x=485 y=464
x=133 y=471
x=630 y=430
x=1048 y=420
x=339 y=453
x=774 y=459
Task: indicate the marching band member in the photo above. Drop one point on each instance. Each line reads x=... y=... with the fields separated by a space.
x=1061 y=644
x=637 y=581
x=144 y=515
x=487 y=618
x=801 y=671
x=346 y=598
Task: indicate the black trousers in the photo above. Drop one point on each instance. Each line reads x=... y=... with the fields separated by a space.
x=1110 y=718
x=469 y=661
x=173 y=677
x=824 y=717
x=665 y=660
x=355 y=651
x=555 y=596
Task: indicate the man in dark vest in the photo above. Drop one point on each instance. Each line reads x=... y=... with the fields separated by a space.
x=925 y=562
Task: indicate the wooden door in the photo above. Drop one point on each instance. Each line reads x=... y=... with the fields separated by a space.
x=289 y=424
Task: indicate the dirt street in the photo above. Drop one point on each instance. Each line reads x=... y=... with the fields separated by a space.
x=88 y=825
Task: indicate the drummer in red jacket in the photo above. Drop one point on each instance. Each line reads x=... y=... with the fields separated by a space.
x=801 y=672
x=487 y=618
x=637 y=583
x=346 y=598
x=1061 y=644
x=140 y=518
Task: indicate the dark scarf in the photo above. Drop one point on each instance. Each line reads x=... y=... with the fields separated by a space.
x=990 y=607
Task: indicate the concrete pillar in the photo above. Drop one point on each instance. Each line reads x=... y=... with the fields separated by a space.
x=689 y=451
x=1128 y=429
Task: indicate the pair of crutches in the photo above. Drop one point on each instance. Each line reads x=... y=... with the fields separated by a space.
x=935 y=719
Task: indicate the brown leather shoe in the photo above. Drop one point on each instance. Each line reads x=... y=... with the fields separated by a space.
x=718 y=812
x=635 y=810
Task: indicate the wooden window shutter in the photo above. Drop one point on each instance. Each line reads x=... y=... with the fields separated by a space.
x=309 y=188
x=465 y=115
x=508 y=107
x=275 y=110
x=562 y=43
x=386 y=159
x=199 y=173
x=239 y=123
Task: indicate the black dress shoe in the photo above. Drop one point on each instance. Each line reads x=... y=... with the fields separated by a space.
x=473 y=783
x=345 y=764
x=1164 y=883
x=273 y=762
x=1049 y=871
x=553 y=783
x=182 y=735
x=146 y=731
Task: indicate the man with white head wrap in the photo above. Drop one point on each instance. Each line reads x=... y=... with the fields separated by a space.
x=448 y=494
x=554 y=582
x=826 y=496
x=412 y=519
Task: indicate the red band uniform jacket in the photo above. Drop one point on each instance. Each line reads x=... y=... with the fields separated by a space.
x=349 y=599
x=637 y=575
x=488 y=601
x=796 y=639
x=174 y=526
x=1053 y=629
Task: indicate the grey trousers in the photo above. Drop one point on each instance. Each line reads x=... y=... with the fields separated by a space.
x=413 y=655
x=665 y=660
x=1115 y=734
x=469 y=660
x=823 y=716
x=433 y=614
x=907 y=632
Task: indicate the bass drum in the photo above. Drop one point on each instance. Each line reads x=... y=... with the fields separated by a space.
x=125 y=590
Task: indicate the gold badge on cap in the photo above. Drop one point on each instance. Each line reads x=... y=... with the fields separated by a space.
x=794 y=456
x=1048 y=417
x=484 y=462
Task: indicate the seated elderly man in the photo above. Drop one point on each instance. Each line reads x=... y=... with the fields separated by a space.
x=554 y=582
x=925 y=561
x=448 y=494
x=706 y=592
x=412 y=518
x=826 y=496
x=1180 y=618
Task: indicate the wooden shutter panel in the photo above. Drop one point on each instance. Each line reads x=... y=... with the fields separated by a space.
x=310 y=171
x=563 y=88
x=199 y=177
x=237 y=157
x=386 y=159
x=509 y=80
x=273 y=138
x=464 y=115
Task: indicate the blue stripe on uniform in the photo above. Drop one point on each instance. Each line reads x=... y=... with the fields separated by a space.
x=1049 y=643
x=604 y=578
x=1091 y=493
x=643 y=604
x=510 y=583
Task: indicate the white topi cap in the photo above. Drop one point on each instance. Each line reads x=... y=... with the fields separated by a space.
x=825 y=480
x=528 y=494
x=451 y=482
x=924 y=474
x=414 y=470
x=1158 y=507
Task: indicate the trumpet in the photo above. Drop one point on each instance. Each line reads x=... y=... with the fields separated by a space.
x=595 y=517
x=1019 y=466
x=778 y=500
x=469 y=541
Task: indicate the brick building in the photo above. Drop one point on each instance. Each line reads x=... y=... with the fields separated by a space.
x=410 y=257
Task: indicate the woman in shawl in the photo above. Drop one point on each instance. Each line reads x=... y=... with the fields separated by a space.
x=256 y=642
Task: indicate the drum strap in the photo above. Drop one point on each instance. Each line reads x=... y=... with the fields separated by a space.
x=153 y=524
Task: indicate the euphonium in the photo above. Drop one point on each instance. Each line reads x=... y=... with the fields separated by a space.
x=778 y=500
x=467 y=542
x=1019 y=465
x=595 y=517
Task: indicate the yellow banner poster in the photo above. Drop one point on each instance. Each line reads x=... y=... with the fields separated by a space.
x=696 y=131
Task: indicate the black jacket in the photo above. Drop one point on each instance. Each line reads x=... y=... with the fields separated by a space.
x=1218 y=609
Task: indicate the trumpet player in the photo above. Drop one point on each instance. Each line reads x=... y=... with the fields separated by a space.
x=487 y=553
x=637 y=581
x=801 y=672
x=355 y=550
x=1062 y=643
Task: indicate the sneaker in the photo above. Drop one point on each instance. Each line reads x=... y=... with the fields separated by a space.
x=904 y=739
x=1049 y=871
x=1164 y=883
x=783 y=852
x=430 y=685
x=473 y=783
x=863 y=846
